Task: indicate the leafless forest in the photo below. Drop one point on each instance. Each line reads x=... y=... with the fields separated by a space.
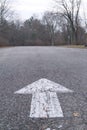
x=64 y=26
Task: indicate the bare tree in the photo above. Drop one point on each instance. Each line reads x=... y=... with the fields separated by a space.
x=4 y=10
x=70 y=9
x=51 y=21
x=4 y=14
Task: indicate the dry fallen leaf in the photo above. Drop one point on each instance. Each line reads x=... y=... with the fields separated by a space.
x=76 y=114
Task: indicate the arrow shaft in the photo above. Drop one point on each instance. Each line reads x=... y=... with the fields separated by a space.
x=45 y=105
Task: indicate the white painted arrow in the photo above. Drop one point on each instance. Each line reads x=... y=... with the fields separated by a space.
x=45 y=103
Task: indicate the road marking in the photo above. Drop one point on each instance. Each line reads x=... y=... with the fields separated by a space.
x=45 y=103
x=47 y=129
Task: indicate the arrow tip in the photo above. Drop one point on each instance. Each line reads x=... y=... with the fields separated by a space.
x=43 y=85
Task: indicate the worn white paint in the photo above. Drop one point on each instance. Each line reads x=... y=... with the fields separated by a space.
x=43 y=85
x=60 y=126
x=45 y=103
x=47 y=129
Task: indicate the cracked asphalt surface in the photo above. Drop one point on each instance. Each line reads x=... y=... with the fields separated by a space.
x=20 y=66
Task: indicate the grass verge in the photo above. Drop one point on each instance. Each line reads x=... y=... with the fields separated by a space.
x=76 y=46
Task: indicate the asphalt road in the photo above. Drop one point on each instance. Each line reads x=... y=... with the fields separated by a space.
x=20 y=66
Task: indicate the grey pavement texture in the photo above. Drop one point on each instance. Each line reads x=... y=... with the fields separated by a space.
x=20 y=66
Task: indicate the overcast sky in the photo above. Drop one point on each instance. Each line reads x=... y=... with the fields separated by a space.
x=26 y=8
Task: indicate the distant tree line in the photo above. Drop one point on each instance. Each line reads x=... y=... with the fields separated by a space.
x=61 y=27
